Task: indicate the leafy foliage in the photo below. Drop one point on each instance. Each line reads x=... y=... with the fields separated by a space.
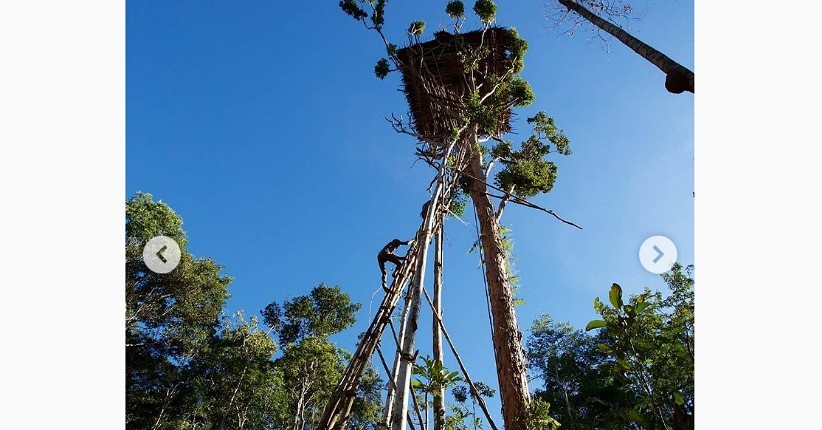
x=351 y=8
x=484 y=115
x=576 y=379
x=519 y=90
x=458 y=204
x=432 y=379
x=378 y=17
x=382 y=68
x=515 y=50
x=526 y=169
x=486 y=10
x=433 y=376
x=455 y=9
x=326 y=311
x=311 y=365
x=235 y=384
x=461 y=418
x=459 y=413
x=188 y=365
x=311 y=369
x=636 y=372
x=538 y=416
x=169 y=318
x=417 y=28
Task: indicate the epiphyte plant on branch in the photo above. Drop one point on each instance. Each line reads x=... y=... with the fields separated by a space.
x=461 y=88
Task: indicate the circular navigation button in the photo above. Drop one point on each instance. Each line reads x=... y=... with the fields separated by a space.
x=161 y=254
x=657 y=254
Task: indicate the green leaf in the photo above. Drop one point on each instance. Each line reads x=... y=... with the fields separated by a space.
x=595 y=324
x=623 y=364
x=633 y=415
x=598 y=305
x=641 y=306
x=615 y=295
x=678 y=399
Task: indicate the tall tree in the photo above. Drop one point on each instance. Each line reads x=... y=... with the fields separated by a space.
x=477 y=107
x=236 y=384
x=678 y=78
x=577 y=377
x=188 y=365
x=169 y=319
x=311 y=364
x=526 y=171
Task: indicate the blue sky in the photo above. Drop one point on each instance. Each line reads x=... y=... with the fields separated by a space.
x=261 y=124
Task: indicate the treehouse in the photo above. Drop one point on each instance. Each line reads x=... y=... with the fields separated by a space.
x=438 y=83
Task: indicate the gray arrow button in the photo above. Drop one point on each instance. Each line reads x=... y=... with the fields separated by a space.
x=161 y=254
x=657 y=254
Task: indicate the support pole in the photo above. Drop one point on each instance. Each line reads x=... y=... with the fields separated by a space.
x=439 y=403
x=471 y=385
x=397 y=404
x=338 y=409
x=390 y=384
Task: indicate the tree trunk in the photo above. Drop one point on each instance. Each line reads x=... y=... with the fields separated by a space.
x=510 y=359
x=439 y=406
x=678 y=78
x=562 y=385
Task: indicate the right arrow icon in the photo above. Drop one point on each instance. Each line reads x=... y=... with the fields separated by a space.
x=656 y=260
x=657 y=254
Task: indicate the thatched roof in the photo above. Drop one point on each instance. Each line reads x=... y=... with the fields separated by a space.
x=435 y=83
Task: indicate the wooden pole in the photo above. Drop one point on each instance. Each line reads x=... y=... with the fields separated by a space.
x=397 y=407
x=439 y=403
x=471 y=385
x=338 y=409
x=390 y=384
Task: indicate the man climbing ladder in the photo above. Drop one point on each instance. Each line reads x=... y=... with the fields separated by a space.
x=387 y=254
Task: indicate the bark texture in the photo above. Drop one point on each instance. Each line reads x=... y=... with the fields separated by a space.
x=510 y=358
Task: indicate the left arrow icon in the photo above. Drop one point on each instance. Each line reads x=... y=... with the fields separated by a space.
x=161 y=254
